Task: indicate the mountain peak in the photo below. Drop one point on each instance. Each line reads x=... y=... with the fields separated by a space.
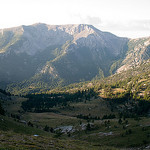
x=40 y=36
x=72 y=29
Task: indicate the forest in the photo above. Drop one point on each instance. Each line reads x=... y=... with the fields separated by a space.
x=43 y=102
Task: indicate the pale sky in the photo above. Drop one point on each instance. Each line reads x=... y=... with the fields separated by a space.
x=126 y=18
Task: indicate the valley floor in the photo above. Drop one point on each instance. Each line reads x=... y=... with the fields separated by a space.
x=62 y=129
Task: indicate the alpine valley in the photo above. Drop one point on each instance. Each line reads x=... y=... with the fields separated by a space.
x=73 y=87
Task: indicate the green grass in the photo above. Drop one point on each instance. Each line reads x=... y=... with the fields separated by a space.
x=94 y=107
x=121 y=137
x=50 y=119
x=14 y=105
x=14 y=141
x=8 y=124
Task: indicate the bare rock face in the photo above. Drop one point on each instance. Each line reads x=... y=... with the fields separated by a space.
x=138 y=52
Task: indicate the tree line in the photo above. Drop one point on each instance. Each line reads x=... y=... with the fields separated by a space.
x=44 y=102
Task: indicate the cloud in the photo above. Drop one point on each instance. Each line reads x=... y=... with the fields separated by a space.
x=140 y=25
x=126 y=28
x=93 y=20
x=130 y=25
x=86 y=19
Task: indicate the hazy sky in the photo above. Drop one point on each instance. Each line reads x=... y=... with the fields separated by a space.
x=129 y=18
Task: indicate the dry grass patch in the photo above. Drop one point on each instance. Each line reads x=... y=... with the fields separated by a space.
x=118 y=90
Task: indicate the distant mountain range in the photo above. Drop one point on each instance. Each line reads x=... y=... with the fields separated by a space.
x=40 y=56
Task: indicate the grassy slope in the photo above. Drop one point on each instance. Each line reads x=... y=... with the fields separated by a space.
x=14 y=135
x=137 y=79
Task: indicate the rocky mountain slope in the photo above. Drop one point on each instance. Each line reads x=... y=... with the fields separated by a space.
x=138 y=51
x=44 y=56
x=49 y=55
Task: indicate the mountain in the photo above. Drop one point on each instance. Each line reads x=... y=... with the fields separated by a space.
x=45 y=56
x=40 y=56
x=138 y=52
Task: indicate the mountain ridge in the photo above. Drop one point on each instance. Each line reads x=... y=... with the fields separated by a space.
x=46 y=56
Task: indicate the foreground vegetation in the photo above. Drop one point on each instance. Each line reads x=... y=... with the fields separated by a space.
x=14 y=135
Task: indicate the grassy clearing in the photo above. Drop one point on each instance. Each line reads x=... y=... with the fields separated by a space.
x=13 y=105
x=8 y=124
x=94 y=107
x=51 y=119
